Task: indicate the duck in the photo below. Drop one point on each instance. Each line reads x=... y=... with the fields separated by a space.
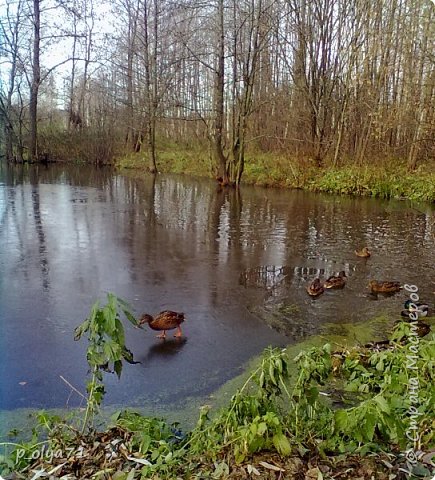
x=420 y=328
x=166 y=320
x=315 y=288
x=336 y=281
x=365 y=253
x=422 y=309
x=423 y=329
x=384 y=287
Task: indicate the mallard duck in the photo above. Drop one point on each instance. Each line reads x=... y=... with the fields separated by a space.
x=315 y=288
x=420 y=328
x=365 y=253
x=384 y=287
x=422 y=309
x=166 y=320
x=334 y=281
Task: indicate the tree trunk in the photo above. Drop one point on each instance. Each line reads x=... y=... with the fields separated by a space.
x=150 y=86
x=36 y=80
x=220 y=159
x=130 y=137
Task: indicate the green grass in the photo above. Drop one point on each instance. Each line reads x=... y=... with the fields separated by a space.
x=172 y=158
x=331 y=402
x=377 y=182
x=384 y=180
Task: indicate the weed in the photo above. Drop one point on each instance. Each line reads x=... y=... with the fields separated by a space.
x=272 y=411
x=106 y=347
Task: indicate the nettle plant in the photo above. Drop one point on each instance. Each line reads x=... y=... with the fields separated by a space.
x=106 y=348
x=376 y=383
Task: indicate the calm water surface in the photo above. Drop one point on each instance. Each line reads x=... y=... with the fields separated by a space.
x=230 y=261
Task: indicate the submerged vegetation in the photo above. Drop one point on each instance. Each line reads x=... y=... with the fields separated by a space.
x=340 y=413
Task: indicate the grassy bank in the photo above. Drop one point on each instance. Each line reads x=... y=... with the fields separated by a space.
x=329 y=411
x=332 y=411
x=381 y=180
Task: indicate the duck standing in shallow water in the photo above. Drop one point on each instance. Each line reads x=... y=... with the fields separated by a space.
x=336 y=281
x=166 y=320
x=364 y=253
x=315 y=288
x=384 y=287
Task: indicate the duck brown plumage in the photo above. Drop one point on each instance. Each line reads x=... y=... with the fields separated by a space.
x=336 y=281
x=365 y=253
x=166 y=320
x=384 y=287
x=315 y=288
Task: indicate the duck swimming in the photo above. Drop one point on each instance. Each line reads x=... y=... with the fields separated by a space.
x=166 y=320
x=384 y=287
x=364 y=253
x=338 y=281
x=315 y=288
x=421 y=309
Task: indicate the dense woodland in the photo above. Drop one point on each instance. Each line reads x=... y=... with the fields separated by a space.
x=328 y=81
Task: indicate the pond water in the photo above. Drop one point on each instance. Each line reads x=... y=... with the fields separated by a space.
x=234 y=262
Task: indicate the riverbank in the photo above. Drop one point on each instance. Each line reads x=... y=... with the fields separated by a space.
x=380 y=180
x=314 y=410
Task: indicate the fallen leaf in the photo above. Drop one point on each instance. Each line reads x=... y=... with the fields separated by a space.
x=314 y=474
x=269 y=466
x=142 y=461
x=253 y=470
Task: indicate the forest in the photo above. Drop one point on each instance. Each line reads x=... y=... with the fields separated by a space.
x=330 y=96
x=325 y=82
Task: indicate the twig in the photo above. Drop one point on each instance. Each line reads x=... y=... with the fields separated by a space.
x=72 y=387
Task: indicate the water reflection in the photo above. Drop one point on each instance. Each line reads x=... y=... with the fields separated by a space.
x=166 y=348
x=236 y=262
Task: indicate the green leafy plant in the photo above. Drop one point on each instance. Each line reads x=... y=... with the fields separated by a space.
x=379 y=384
x=106 y=347
x=252 y=422
x=337 y=403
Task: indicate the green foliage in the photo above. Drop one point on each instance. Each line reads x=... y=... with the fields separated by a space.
x=267 y=415
x=253 y=420
x=271 y=412
x=380 y=182
x=106 y=347
x=162 y=445
x=50 y=433
x=272 y=419
x=171 y=158
x=388 y=180
x=382 y=378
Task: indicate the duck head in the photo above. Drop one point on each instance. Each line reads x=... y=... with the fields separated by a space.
x=145 y=318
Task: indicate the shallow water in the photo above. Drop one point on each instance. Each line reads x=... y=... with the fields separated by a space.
x=229 y=260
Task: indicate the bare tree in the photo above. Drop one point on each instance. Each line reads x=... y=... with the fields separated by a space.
x=35 y=81
x=10 y=31
x=218 y=95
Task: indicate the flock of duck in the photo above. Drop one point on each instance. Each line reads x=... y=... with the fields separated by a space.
x=316 y=288
x=169 y=320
